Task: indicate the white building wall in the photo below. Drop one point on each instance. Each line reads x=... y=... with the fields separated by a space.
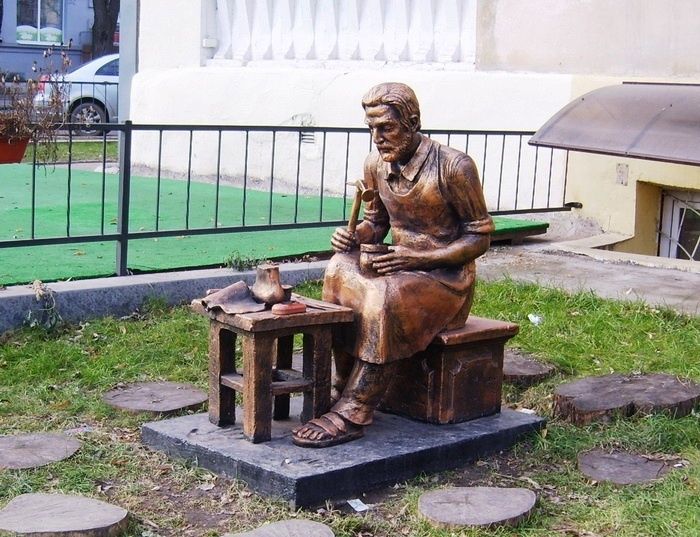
x=648 y=38
x=322 y=97
x=475 y=64
x=268 y=61
x=171 y=33
x=304 y=62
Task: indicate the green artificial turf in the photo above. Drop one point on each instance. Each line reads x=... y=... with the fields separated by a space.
x=53 y=197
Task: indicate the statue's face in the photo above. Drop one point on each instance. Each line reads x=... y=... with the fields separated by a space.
x=393 y=140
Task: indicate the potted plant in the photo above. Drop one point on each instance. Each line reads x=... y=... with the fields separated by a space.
x=32 y=111
x=15 y=120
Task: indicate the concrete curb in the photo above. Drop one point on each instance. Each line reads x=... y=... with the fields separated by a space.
x=80 y=300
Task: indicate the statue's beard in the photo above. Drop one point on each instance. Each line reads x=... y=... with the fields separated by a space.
x=396 y=152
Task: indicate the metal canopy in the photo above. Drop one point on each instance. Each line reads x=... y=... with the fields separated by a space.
x=649 y=121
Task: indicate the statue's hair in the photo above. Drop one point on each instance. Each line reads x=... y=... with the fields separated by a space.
x=397 y=95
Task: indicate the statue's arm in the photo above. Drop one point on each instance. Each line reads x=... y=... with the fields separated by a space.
x=461 y=186
x=375 y=224
x=462 y=190
x=457 y=253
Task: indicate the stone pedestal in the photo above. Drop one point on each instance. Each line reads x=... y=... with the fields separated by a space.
x=393 y=449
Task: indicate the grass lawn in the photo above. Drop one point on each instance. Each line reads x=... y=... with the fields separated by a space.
x=80 y=151
x=54 y=381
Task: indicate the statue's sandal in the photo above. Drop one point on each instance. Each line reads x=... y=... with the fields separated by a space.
x=334 y=429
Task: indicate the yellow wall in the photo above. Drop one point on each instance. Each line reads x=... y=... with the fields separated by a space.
x=632 y=209
x=647 y=210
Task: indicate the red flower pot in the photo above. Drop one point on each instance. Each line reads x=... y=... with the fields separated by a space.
x=12 y=151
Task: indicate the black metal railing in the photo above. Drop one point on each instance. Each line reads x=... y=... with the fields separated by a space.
x=231 y=179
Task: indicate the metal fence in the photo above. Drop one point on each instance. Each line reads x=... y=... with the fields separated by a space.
x=275 y=172
x=83 y=101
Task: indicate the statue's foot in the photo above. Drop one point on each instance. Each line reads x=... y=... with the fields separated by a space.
x=328 y=430
x=335 y=395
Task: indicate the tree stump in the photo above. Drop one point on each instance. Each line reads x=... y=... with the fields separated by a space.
x=523 y=371
x=288 y=528
x=621 y=468
x=476 y=506
x=601 y=398
x=155 y=397
x=58 y=515
x=34 y=450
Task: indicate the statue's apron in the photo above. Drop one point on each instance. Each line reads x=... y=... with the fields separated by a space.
x=399 y=314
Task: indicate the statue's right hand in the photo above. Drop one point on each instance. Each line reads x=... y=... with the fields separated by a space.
x=342 y=240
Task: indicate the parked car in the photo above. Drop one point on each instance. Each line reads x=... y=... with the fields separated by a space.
x=91 y=94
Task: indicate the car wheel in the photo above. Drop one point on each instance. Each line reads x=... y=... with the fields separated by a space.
x=85 y=116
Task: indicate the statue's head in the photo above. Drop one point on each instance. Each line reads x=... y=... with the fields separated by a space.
x=393 y=116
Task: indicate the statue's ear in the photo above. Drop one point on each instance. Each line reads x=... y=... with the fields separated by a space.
x=415 y=123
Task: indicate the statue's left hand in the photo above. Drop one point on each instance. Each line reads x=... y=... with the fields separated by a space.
x=400 y=258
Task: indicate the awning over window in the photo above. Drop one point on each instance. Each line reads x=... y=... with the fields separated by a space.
x=649 y=121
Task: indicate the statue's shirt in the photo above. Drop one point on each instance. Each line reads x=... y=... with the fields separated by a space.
x=430 y=202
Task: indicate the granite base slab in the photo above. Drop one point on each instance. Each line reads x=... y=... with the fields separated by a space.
x=393 y=449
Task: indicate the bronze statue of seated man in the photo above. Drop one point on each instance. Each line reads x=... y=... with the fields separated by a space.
x=431 y=198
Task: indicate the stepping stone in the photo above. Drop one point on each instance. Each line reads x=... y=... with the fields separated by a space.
x=620 y=467
x=288 y=528
x=155 y=397
x=50 y=515
x=34 y=450
x=601 y=398
x=476 y=506
x=522 y=370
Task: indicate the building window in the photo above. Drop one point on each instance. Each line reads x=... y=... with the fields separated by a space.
x=40 y=21
x=679 y=235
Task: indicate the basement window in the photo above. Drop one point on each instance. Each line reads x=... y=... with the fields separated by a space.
x=679 y=233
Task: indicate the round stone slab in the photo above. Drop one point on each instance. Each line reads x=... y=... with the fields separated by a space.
x=33 y=450
x=155 y=397
x=620 y=467
x=476 y=506
x=51 y=515
x=524 y=371
x=600 y=398
x=288 y=528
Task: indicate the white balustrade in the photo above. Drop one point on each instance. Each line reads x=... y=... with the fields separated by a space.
x=467 y=46
x=348 y=30
x=395 y=29
x=418 y=31
x=223 y=27
x=281 y=29
x=446 y=30
x=240 y=31
x=326 y=32
x=261 y=36
x=303 y=31
x=371 y=30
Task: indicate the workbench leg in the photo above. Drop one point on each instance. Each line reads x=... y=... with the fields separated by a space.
x=222 y=360
x=317 y=366
x=257 y=387
x=285 y=346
